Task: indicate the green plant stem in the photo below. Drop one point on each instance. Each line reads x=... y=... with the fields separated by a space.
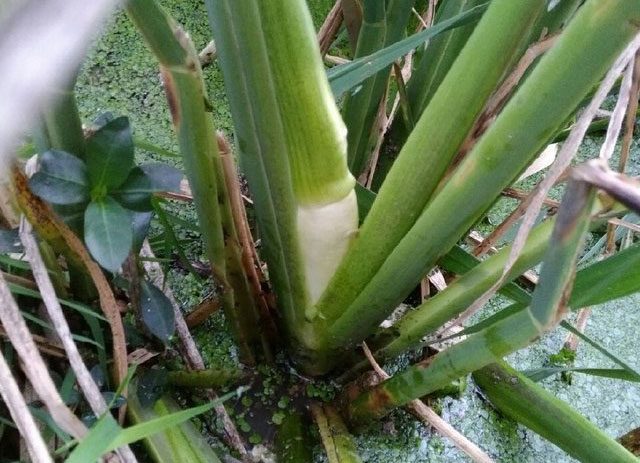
x=196 y=136
x=436 y=60
x=460 y=294
x=293 y=442
x=381 y=27
x=62 y=127
x=428 y=151
x=506 y=335
x=524 y=401
x=583 y=53
x=338 y=443
x=179 y=443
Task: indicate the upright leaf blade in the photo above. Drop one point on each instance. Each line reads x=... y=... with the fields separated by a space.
x=108 y=233
x=110 y=154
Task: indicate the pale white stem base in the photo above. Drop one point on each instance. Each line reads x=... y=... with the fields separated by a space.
x=324 y=234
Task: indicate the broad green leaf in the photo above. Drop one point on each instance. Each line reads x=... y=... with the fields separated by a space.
x=157 y=311
x=110 y=155
x=108 y=233
x=135 y=193
x=61 y=179
x=348 y=76
x=539 y=374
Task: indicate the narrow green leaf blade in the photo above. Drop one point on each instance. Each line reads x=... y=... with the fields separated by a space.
x=346 y=76
x=539 y=374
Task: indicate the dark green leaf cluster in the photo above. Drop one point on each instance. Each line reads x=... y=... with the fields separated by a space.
x=108 y=195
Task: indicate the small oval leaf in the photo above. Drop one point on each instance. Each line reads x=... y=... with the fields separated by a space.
x=157 y=311
x=108 y=232
x=62 y=178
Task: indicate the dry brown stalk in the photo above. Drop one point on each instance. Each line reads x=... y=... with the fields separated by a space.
x=21 y=415
x=629 y=126
x=34 y=366
x=250 y=260
x=330 y=28
x=38 y=212
x=501 y=96
x=85 y=380
x=431 y=418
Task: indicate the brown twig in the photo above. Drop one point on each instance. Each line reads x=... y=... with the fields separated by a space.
x=33 y=365
x=571 y=341
x=501 y=96
x=431 y=418
x=85 y=380
x=202 y=312
x=330 y=28
x=21 y=415
x=191 y=353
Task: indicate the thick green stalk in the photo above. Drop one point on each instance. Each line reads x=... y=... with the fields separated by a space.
x=430 y=148
x=522 y=400
x=437 y=58
x=196 y=136
x=179 y=443
x=547 y=308
x=338 y=443
x=243 y=58
x=380 y=28
x=567 y=72
x=296 y=166
x=462 y=292
x=293 y=443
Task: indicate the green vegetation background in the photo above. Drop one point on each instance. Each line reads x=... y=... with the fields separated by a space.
x=121 y=76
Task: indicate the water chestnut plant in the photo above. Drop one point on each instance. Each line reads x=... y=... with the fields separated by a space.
x=364 y=181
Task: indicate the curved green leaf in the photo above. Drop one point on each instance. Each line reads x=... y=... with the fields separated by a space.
x=62 y=178
x=108 y=232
